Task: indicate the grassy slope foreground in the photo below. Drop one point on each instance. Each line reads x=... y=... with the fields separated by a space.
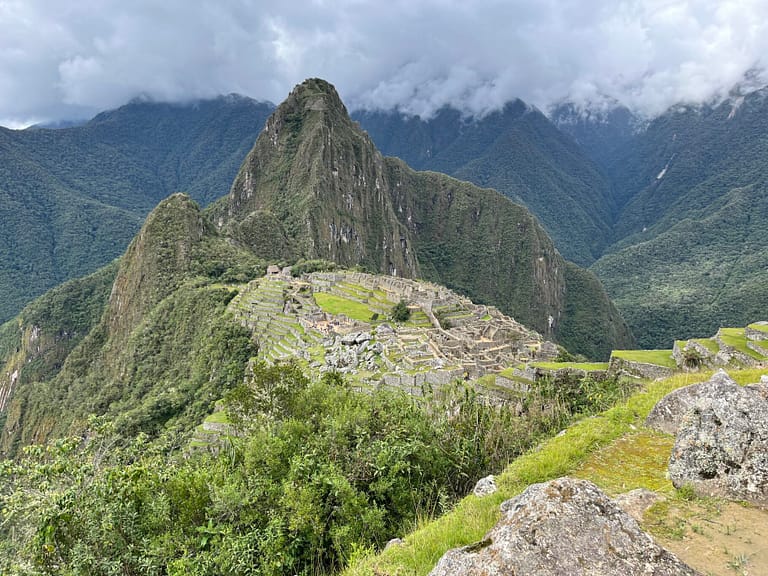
x=611 y=449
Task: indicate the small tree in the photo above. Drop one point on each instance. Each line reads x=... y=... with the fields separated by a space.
x=400 y=312
x=692 y=358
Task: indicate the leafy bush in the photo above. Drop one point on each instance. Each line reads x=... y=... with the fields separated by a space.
x=400 y=312
x=318 y=472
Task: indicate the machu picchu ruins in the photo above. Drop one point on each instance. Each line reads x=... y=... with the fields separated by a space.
x=340 y=321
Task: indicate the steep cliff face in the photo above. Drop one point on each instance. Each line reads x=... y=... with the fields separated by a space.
x=156 y=261
x=35 y=345
x=478 y=242
x=315 y=186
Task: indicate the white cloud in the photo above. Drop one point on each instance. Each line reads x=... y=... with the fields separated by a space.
x=61 y=59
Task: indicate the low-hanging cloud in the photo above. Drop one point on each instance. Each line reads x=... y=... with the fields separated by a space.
x=69 y=59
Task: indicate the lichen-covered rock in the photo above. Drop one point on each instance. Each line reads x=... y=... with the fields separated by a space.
x=564 y=526
x=485 y=486
x=669 y=411
x=721 y=446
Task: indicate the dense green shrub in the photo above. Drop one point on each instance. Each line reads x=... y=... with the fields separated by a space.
x=400 y=312
x=318 y=472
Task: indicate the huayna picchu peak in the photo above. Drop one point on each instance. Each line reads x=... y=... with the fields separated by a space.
x=315 y=183
x=315 y=187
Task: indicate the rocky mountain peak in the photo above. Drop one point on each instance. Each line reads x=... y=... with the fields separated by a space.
x=314 y=186
x=315 y=94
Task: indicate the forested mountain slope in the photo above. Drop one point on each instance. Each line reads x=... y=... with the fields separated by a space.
x=516 y=151
x=673 y=208
x=71 y=199
x=690 y=252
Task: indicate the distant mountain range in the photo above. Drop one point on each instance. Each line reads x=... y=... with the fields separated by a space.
x=667 y=212
x=71 y=199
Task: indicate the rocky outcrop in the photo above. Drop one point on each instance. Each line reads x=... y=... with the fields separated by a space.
x=721 y=447
x=670 y=410
x=637 y=501
x=485 y=486
x=565 y=526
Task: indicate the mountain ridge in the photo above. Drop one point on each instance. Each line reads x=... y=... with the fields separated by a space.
x=316 y=174
x=516 y=151
x=71 y=199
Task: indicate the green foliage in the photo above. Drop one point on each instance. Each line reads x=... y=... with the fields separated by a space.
x=692 y=358
x=591 y=324
x=268 y=394
x=584 y=394
x=400 y=312
x=167 y=372
x=308 y=266
x=318 y=472
x=72 y=199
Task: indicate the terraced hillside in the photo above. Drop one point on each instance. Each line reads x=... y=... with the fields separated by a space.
x=340 y=321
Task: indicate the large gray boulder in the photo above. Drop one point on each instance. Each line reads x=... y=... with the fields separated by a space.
x=670 y=410
x=563 y=527
x=721 y=446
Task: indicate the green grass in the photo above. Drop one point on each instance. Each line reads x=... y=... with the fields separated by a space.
x=759 y=327
x=588 y=366
x=338 y=305
x=735 y=338
x=568 y=453
x=218 y=418
x=657 y=357
x=709 y=344
x=637 y=460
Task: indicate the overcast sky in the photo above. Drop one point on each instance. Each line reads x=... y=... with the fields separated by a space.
x=70 y=58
